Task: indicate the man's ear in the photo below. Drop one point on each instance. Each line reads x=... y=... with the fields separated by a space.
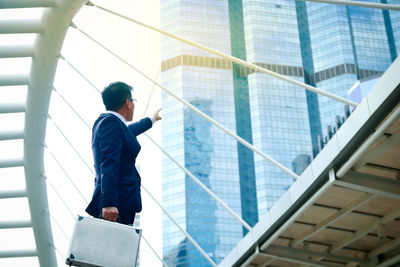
x=126 y=103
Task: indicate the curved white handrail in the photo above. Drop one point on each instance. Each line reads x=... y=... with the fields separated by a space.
x=47 y=47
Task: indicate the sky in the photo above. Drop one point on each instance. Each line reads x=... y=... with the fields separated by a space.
x=141 y=48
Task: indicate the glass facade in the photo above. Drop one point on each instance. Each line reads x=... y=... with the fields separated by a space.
x=207 y=152
x=279 y=113
x=353 y=37
x=327 y=46
x=393 y=23
x=243 y=118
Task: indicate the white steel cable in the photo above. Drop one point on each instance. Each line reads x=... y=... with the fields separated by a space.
x=97 y=90
x=72 y=146
x=59 y=227
x=62 y=200
x=76 y=113
x=205 y=188
x=66 y=237
x=66 y=174
x=80 y=193
x=151 y=93
x=72 y=66
x=358 y=3
x=197 y=181
x=69 y=105
x=94 y=86
x=194 y=178
x=202 y=114
x=63 y=232
x=155 y=253
x=182 y=230
x=59 y=252
x=234 y=59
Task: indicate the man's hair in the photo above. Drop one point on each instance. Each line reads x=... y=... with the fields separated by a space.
x=115 y=95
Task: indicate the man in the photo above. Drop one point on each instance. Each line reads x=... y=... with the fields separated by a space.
x=116 y=195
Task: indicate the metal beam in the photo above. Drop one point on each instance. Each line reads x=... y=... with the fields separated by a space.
x=26 y=3
x=12 y=107
x=18 y=253
x=365 y=230
x=333 y=218
x=8 y=163
x=299 y=211
x=358 y=3
x=11 y=135
x=390 y=141
x=373 y=184
x=268 y=261
x=262 y=259
x=251 y=258
x=368 y=143
x=47 y=47
x=15 y=224
x=391 y=261
x=302 y=254
x=9 y=51
x=382 y=168
x=385 y=247
x=20 y=26
x=10 y=80
x=290 y=255
x=13 y=194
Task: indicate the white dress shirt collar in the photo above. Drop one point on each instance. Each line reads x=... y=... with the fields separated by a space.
x=116 y=114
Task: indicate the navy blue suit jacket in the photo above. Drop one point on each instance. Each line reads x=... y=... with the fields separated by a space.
x=117 y=182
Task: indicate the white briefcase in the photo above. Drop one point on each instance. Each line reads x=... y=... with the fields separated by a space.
x=97 y=242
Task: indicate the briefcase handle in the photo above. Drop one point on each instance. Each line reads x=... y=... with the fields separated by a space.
x=101 y=217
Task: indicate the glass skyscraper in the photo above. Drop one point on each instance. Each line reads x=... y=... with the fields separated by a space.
x=278 y=109
x=207 y=83
x=348 y=44
x=327 y=46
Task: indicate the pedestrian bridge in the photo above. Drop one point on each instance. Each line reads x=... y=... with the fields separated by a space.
x=344 y=210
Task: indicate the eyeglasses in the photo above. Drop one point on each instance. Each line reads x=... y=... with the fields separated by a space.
x=132 y=99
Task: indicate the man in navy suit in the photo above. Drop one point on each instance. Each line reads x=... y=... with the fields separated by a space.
x=116 y=195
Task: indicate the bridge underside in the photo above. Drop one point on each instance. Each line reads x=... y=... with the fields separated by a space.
x=345 y=208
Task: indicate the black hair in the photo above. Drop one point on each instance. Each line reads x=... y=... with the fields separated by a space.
x=115 y=95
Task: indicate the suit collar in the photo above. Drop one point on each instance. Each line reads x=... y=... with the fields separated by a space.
x=116 y=114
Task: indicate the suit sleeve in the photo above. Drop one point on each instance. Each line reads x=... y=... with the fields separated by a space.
x=110 y=148
x=140 y=126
